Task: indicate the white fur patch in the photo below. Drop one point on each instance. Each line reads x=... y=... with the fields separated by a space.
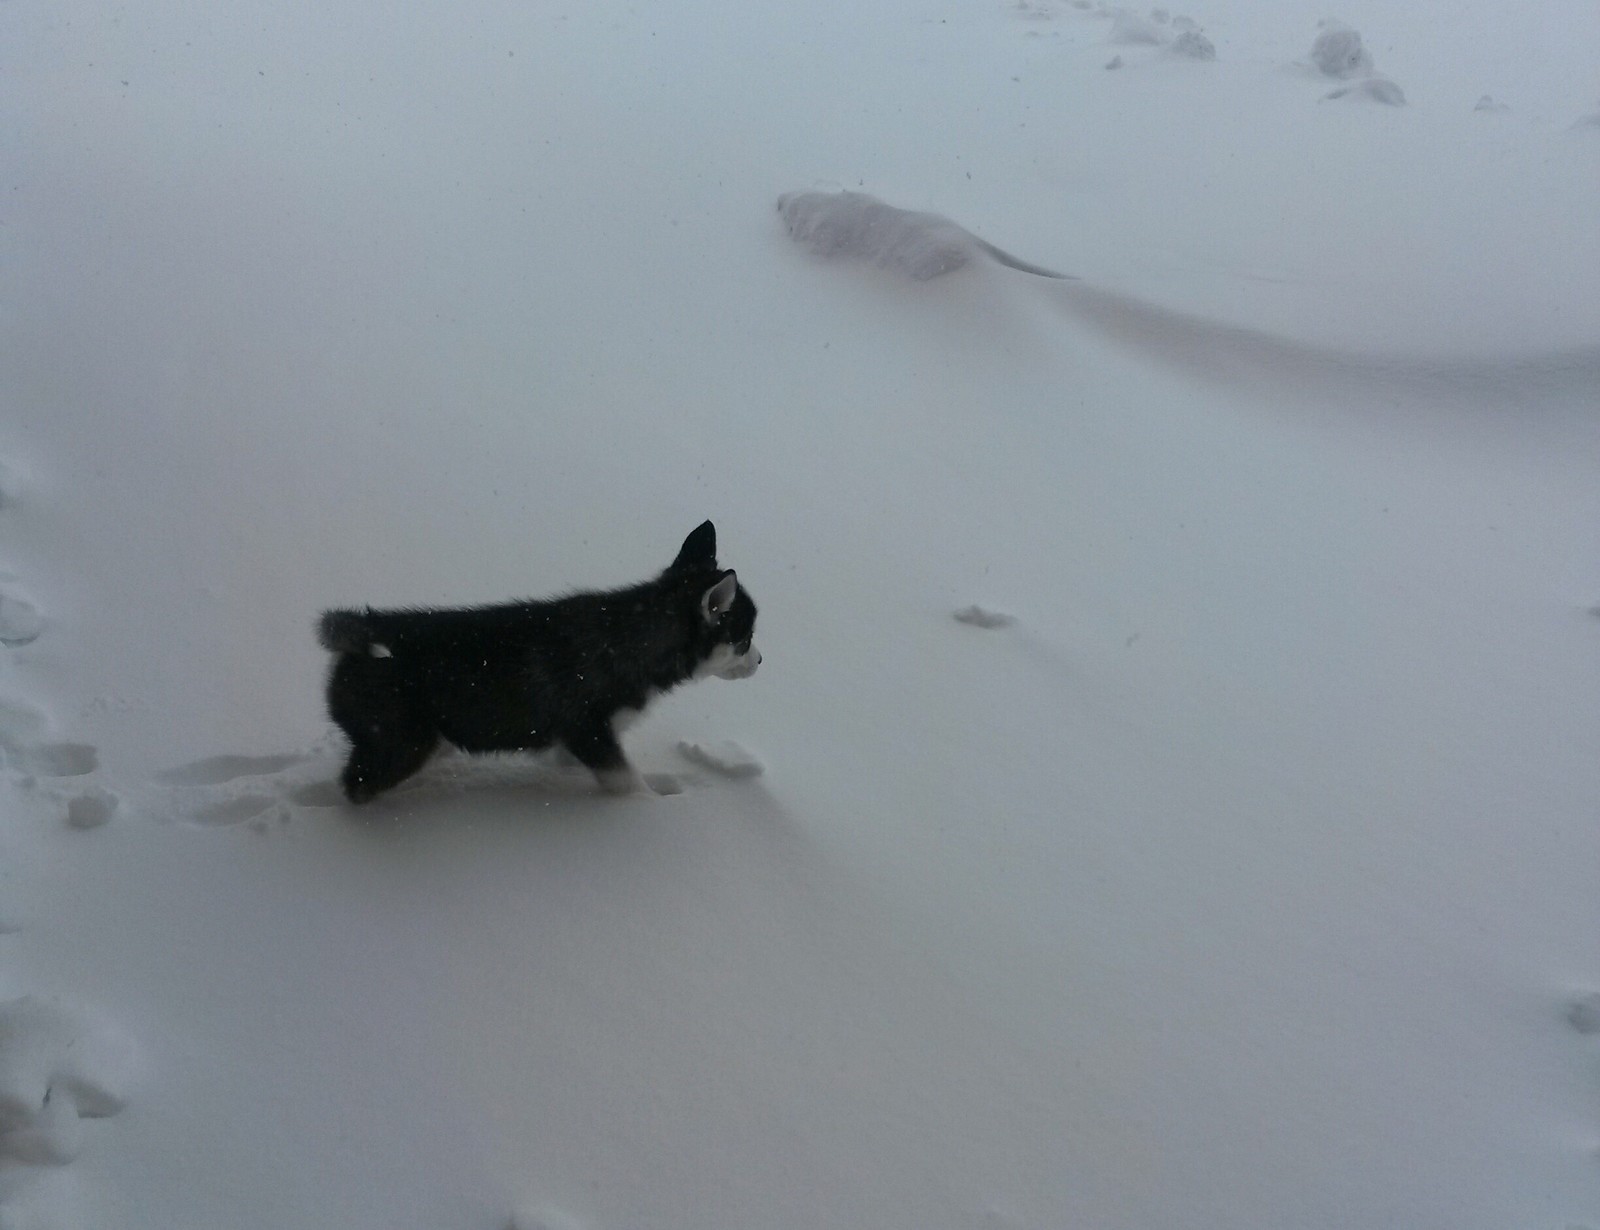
x=623 y=719
x=725 y=663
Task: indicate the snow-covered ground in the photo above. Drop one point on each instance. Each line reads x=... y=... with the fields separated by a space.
x=1170 y=800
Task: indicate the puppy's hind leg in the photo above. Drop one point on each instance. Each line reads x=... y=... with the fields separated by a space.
x=389 y=739
x=386 y=758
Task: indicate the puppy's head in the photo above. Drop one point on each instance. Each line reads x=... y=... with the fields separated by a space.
x=723 y=613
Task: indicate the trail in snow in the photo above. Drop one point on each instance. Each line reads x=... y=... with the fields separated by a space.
x=1214 y=350
x=855 y=225
x=61 y=1062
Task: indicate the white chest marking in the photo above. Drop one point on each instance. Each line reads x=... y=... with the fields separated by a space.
x=622 y=719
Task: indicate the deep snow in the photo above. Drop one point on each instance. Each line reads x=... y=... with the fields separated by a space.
x=1245 y=878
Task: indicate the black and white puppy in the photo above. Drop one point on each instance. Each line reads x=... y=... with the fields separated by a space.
x=521 y=676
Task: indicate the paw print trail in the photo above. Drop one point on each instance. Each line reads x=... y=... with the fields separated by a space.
x=60 y=1064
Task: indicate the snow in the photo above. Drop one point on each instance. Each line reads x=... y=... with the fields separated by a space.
x=1338 y=51
x=1583 y=1013
x=1373 y=89
x=984 y=617
x=1194 y=45
x=92 y=808
x=20 y=621
x=1129 y=27
x=1248 y=882
x=725 y=756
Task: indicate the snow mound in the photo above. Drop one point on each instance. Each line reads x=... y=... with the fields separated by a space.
x=1194 y=46
x=982 y=617
x=1583 y=1013
x=723 y=756
x=1132 y=30
x=1338 y=52
x=854 y=224
x=860 y=226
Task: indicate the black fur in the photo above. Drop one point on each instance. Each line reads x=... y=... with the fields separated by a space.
x=520 y=676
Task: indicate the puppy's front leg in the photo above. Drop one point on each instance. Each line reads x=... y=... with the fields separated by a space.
x=597 y=749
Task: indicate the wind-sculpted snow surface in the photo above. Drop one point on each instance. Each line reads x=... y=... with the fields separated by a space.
x=1371 y=89
x=1183 y=703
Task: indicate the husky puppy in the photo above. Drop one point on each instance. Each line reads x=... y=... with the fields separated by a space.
x=521 y=676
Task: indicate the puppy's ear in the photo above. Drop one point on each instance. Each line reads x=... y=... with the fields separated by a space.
x=699 y=550
x=719 y=597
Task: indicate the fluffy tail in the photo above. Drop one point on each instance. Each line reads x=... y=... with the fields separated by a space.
x=345 y=632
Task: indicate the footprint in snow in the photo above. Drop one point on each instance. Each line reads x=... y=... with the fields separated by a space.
x=20 y=621
x=22 y=730
x=664 y=783
x=723 y=756
x=92 y=809
x=216 y=770
x=317 y=794
x=236 y=810
x=57 y=1066
x=1583 y=1013
x=234 y=788
x=11 y=484
x=54 y=759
